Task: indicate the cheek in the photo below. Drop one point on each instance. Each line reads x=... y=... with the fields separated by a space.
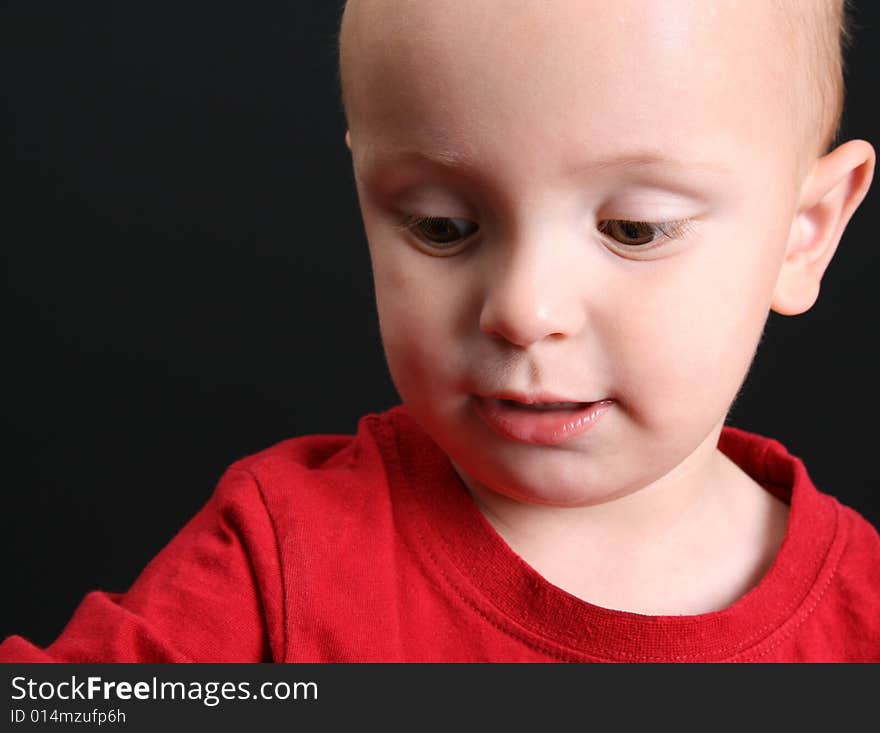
x=418 y=310
x=694 y=331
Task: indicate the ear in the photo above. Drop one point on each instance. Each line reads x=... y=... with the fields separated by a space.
x=348 y=139
x=831 y=193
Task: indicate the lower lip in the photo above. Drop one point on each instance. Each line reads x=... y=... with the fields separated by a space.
x=540 y=427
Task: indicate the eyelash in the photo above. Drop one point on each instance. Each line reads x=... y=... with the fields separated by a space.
x=668 y=229
x=411 y=222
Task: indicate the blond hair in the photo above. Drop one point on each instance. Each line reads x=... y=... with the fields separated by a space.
x=818 y=34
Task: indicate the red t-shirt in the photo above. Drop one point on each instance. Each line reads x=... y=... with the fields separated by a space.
x=338 y=548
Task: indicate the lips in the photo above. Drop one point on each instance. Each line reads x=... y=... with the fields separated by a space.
x=539 y=419
x=535 y=398
x=544 y=405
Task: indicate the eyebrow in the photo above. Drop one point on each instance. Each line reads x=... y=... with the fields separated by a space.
x=453 y=162
x=649 y=159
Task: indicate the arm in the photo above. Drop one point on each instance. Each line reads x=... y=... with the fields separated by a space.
x=213 y=594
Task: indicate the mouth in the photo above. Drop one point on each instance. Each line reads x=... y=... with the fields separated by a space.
x=540 y=422
x=544 y=405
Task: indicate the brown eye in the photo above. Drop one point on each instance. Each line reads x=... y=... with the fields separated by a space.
x=631 y=233
x=442 y=229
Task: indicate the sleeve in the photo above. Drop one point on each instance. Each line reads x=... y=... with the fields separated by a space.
x=213 y=594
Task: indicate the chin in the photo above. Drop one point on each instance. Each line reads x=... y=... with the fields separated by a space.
x=531 y=480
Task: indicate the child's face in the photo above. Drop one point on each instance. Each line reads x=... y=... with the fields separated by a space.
x=565 y=118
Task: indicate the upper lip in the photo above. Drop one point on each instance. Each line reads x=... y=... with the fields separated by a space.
x=531 y=398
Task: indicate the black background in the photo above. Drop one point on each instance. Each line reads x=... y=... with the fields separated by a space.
x=188 y=282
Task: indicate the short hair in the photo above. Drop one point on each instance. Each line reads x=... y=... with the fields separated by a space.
x=818 y=34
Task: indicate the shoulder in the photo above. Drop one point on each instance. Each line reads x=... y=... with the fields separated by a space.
x=830 y=551
x=844 y=606
x=322 y=470
x=860 y=561
x=847 y=598
x=323 y=454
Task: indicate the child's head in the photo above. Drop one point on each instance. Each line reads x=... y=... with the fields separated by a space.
x=619 y=194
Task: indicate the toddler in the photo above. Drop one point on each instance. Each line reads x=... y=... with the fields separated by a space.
x=579 y=217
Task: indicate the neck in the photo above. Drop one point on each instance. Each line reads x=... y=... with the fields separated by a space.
x=705 y=528
x=669 y=503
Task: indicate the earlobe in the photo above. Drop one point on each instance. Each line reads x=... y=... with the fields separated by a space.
x=830 y=195
x=348 y=139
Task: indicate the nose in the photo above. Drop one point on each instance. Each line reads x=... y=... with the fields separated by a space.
x=532 y=294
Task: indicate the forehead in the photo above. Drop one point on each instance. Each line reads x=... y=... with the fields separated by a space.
x=494 y=79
